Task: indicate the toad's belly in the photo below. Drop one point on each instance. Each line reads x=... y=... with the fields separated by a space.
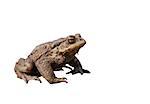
x=59 y=63
x=56 y=66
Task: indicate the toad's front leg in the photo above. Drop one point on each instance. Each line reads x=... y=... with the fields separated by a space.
x=45 y=69
x=77 y=67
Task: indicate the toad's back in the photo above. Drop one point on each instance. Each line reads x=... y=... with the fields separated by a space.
x=42 y=49
x=39 y=50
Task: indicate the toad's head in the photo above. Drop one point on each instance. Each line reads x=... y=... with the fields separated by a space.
x=71 y=45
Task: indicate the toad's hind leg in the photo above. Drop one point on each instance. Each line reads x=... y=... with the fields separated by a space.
x=23 y=69
x=45 y=69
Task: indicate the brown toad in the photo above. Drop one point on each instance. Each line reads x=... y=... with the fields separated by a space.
x=49 y=57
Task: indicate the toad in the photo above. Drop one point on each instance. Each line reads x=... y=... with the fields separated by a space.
x=49 y=57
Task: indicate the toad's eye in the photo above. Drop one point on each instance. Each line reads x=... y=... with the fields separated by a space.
x=78 y=35
x=71 y=39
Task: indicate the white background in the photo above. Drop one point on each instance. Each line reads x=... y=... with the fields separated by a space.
x=117 y=51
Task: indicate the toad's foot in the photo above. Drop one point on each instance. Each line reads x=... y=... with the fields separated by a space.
x=78 y=70
x=27 y=77
x=58 y=80
x=61 y=68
